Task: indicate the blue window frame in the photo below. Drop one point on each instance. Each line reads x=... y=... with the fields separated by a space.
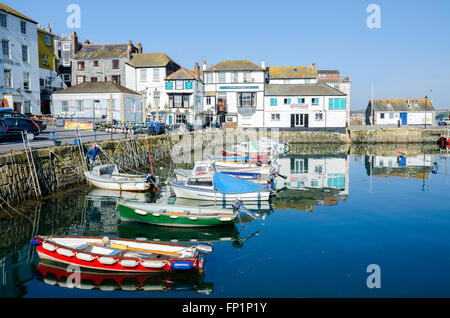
x=169 y=85
x=315 y=101
x=336 y=103
x=273 y=102
x=188 y=85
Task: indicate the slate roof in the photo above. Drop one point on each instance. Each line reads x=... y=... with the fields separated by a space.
x=150 y=60
x=96 y=87
x=99 y=51
x=301 y=90
x=235 y=65
x=328 y=72
x=405 y=105
x=183 y=74
x=308 y=71
x=10 y=10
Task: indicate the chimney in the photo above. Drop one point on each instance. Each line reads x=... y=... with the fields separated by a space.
x=87 y=41
x=139 y=48
x=263 y=64
x=74 y=43
x=204 y=67
x=129 y=50
x=49 y=29
x=314 y=65
x=197 y=70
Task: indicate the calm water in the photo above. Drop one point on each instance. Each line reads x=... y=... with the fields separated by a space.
x=337 y=214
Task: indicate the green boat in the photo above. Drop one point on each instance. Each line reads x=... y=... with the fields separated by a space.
x=180 y=215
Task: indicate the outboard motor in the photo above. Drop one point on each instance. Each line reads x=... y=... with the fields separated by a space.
x=239 y=207
x=153 y=181
x=258 y=163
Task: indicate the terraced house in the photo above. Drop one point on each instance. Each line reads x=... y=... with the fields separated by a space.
x=234 y=93
x=100 y=62
x=19 y=64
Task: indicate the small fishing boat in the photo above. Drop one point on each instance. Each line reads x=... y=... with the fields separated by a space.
x=120 y=255
x=219 y=186
x=243 y=166
x=108 y=177
x=263 y=157
x=179 y=215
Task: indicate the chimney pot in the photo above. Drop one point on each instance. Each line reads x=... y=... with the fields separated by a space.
x=263 y=64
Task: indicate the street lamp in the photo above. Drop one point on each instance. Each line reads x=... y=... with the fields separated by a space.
x=426 y=105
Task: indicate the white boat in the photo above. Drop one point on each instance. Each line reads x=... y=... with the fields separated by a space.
x=263 y=145
x=108 y=177
x=242 y=166
x=218 y=186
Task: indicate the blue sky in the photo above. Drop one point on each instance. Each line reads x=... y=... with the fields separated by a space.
x=406 y=57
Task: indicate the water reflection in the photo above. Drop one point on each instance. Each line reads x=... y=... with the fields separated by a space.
x=403 y=166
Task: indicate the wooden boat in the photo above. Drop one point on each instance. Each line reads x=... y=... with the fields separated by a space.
x=219 y=186
x=179 y=215
x=108 y=177
x=120 y=255
x=55 y=274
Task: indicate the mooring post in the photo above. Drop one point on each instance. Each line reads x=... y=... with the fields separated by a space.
x=52 y=136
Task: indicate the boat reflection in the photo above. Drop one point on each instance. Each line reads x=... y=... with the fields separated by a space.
x=61 y=275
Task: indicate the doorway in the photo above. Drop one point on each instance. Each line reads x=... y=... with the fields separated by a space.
x=299 y=120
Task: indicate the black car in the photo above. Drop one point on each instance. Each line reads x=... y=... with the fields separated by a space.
x=4 y=131
x=8 y=112
x=13 y=126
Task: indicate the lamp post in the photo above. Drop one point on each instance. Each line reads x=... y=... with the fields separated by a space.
x=426 y=105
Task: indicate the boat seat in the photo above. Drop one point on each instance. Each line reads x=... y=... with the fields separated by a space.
x=82 y=247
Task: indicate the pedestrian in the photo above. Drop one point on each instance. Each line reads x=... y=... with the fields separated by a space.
x=92 y=154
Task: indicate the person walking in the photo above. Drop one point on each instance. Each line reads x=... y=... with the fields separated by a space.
x=92 y=154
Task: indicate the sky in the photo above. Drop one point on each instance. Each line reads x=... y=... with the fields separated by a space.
x=408 y=56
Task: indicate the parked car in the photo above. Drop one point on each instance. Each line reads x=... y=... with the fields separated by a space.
x=4 y=131
x=13 y=126
x=444 y=122
x=9 y=112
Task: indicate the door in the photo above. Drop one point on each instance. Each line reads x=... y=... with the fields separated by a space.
x=299 y=120
x=292 y=120
x=17 y=107
x=404 y=117
x=306 y=120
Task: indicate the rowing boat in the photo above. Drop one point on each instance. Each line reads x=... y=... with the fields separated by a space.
x=120 y=255
x=179 y=215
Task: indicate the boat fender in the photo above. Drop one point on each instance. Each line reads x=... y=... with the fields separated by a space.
x=34 y=242
x=65 y=252
x=49 y=247
x=225 y=219
x=85 y=257
x=156 y=214
x=193 y=218
x=129 y=263
x=140 y=212
x=153 y=264
x=205 y=248
x=181 y=265
x=174 y=217
x=107 y=260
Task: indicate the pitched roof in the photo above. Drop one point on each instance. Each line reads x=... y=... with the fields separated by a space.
x=96 y=87
x=183 y=74
x=150 y=60
x=301 y=90
x=98 y=51
x=411 y=104
x=308 y=71
x=10 y=10
x=328 y=71
x=235 y=65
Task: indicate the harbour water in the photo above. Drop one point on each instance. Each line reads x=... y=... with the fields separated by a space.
x=336 y=215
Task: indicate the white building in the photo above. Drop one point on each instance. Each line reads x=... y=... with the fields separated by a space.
x=146 y=74
x=334 y=79
x=400 y=112
x=19 y=66
x=298 y=106
x=95 y=101
x=234 y=92
x=184 y=89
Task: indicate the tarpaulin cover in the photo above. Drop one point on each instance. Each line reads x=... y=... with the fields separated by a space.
x=229 y=184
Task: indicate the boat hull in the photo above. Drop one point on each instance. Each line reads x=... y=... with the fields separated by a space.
x=152 y=214
x=138 y=186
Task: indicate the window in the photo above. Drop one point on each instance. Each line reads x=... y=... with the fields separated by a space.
x=188 y=85
x=5 y=48
x=185 y=101
x=80 y=79
x=66 y=77
x=80 y=106
x=25 y=53
x=93 y=79
x=273 y=102
x=247 y=77
x=391 y=115
x=66 y=62
x=7 y=76
x=275 y=117
x=156 y=75
x=319 y=116
x=26 y=80
x=169 y=85
x=143 y=75
x=287 y=101
x=336 y=103
x=45 y=59
x=246 y=99
x=23 y=27
x=234 y=77
x=64 y=106
x=81 y=65
x=208 y=100
x=3 y=20
x=27 y=107
x=222 y=77
x=66 y=46
x=180 y=119
x=300 y=100
x=115 y=64
x=177 y=101
x=209 y=77
x=115 y=79
x=47 y=40
x=381 y=115
x=96 y=63
x=315 y=101
x=178 y=84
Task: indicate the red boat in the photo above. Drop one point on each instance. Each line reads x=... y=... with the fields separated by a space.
x=263 y=157
x=120 y=255
x=59 y=274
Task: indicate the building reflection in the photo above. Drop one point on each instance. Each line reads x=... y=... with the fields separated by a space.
x=312 y=180
x=401 y=166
